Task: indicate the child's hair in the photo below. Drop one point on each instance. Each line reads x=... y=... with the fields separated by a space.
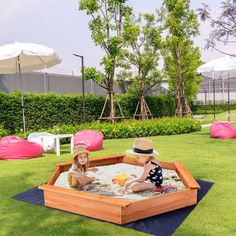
x=83 y=168
x=149 y=158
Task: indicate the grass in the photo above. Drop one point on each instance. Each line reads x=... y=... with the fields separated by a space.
x=208 y=159
x=223 y=116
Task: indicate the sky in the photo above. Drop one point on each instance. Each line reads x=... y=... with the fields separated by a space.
x=60 y=25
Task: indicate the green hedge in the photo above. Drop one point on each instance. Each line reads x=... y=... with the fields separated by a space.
x=200 y=108
x=160 y=106
x=43 y=111
x=3 y=132
x=133 y=128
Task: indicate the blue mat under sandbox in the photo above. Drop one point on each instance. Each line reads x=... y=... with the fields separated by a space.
x=161 y=225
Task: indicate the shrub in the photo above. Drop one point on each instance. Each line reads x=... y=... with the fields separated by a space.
x=199 y=108
x=43 y=111
x=3 y=132
x=135 y=128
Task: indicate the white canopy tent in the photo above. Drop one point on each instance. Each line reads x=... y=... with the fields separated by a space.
x=220 y=68
x=26 y=57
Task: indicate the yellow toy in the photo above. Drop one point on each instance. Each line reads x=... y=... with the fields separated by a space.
x=120 y=179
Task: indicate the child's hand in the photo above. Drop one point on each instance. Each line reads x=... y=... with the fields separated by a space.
x=124 y=189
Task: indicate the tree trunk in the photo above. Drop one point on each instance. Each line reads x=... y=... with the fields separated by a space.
x=112 y=106
x=111 y=95
x=142 y=105
x=110 y=99
x=143 y=110
x=182 y=107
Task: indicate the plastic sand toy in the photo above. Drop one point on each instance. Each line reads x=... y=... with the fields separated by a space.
x=120 y=179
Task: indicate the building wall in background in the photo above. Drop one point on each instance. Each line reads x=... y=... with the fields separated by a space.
x=37 y=82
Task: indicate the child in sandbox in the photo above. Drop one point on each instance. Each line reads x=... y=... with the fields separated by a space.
x=77 y=176
x=152 y=177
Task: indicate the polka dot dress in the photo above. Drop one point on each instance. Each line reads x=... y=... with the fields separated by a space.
x=155 y=175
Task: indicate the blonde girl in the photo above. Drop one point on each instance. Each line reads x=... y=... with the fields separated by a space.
x=77 y=173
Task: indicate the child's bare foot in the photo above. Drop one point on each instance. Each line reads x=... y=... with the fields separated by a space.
x=134 y=175
x=126 y=192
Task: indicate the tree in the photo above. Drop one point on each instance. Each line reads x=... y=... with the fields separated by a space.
x=108 y=32
x=140 y=59
x=181 y=57
x=224 y=27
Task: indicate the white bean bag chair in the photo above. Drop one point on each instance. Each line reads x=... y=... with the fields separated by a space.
x=48 y=143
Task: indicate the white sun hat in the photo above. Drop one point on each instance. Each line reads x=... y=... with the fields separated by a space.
x=143 y=147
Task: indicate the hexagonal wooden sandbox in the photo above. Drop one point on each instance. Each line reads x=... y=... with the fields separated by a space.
x=119 y=210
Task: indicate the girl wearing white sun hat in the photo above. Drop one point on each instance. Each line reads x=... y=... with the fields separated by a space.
x=152 y=177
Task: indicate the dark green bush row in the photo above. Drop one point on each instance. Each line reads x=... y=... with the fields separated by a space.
x=200 y=108
x=44 y=111
x=134 y=128
x=3 y=132
x=160 y=106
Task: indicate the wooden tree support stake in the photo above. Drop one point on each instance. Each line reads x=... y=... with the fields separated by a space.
x=112 y=116
x=145 y=112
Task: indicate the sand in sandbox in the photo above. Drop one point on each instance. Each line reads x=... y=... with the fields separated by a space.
x=104 y=185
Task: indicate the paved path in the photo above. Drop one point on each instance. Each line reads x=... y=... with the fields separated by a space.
x=206 y=125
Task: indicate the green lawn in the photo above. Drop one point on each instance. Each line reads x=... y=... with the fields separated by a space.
x=208 y=159
x=219 y=117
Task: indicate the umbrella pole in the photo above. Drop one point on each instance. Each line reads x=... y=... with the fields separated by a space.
x=214 y=98
x=205 y=93
x=22 y=97
x=214 y=95
x=44 y=79
x=83 y=88
x=228 y=100
x=44 y=82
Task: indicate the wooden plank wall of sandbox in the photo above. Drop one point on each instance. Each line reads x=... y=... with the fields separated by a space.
x=119 y=210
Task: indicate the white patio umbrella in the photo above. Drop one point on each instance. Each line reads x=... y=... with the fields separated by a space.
x=26 y=57
x=224 y=67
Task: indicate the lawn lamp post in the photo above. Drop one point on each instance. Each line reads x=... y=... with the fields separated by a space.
x=82 y=64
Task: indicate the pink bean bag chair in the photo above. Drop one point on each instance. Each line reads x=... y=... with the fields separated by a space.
x=15 y=148
x=222 y=130
x=91 y=140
